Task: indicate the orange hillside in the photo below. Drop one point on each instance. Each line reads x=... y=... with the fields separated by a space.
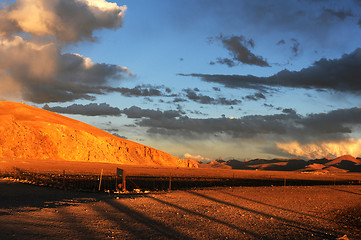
x=31 y=133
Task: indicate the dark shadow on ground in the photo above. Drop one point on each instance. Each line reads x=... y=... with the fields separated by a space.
x=18 y=195
x=152 y=227
x=316 y=231
x=15 y=195
x=269 y=205
x=342 y=190
x=212 y=219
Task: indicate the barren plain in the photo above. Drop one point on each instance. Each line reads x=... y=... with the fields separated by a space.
x=291 y=212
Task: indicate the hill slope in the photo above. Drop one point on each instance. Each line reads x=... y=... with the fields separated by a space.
x=31 y=133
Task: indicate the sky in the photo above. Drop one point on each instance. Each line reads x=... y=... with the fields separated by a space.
x=205 y=79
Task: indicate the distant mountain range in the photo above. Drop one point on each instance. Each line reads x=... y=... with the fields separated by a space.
x=346 y=163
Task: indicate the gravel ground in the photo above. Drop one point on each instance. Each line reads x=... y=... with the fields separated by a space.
x=317 y=212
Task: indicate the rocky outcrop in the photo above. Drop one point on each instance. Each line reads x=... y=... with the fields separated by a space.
x=30 y=133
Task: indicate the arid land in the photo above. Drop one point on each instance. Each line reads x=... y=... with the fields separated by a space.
x=291 y=212
x=64 y=162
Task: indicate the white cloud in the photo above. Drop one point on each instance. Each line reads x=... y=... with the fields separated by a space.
x=104 y=5
x=197 y=157
x=68 y=21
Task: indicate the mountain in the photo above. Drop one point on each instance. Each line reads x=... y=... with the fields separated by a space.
x=27 y=133
x=346 y=163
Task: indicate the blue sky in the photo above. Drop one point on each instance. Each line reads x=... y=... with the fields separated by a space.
x=228 y=79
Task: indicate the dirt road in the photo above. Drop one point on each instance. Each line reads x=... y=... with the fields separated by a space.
x=317 y=212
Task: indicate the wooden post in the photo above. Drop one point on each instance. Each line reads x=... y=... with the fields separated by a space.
x=100 y=181
x=284 y=182
x=121 y=173
x=233 y=182
x=124 y=188
x=64 y=183
x=170 y=184
x=116 y=182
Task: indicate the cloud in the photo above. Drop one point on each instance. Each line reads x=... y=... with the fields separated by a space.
x=117 y=135
x=295 y=47
x=255 y=97
x=289 y=111
x=289 y=134
x=322 y=149
x=281 y=42
x=32 y=35
x=203 y=99
x=340 y=74
x=91 y=109
x=287 y=126
x=238 y=48
x=43 y=74
x=144 y=91
x=329 y=14
x=137 y=112
x=248 y=126
x=197 y=157
x=231 y=81
x=67 y=21
x=178 y=99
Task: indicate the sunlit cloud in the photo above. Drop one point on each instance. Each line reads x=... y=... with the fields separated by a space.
x=197 y=157
x=32 y=37
x=322 y=149
x=67 y=21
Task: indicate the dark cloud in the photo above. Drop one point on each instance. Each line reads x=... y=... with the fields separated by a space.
x=203 y=99
x=178 y=99
x=273 y=107
x=217 y=89
x=340 y=14
x=42 y=74
x=111 y=130
x=289 y=111
x=255 y=97
x=248 y=126
x=295 y=47
x=281 y=42
x=268 y=105
x=289 y=126
x=336 y=121
x=232 y=81
x=239 y=49
x=117 y=135
x=91 y=109
x=341 y=74
x=137 y=112
x=142 y=91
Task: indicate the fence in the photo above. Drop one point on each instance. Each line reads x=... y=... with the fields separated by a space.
x=114 y=183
